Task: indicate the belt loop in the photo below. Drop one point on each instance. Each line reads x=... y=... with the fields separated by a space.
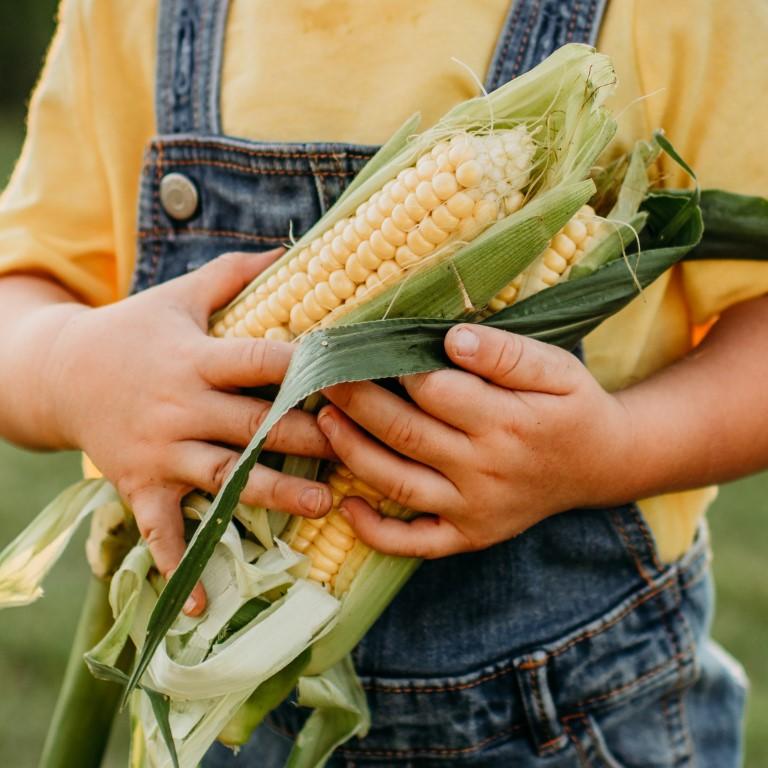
x=545 y=728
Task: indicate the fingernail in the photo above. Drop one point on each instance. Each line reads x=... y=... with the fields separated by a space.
x=327 y=424
x=465 y=342
x=191 y=605
x=345 y=514
x=312 y=500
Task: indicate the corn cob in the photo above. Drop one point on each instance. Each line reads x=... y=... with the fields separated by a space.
x=565 y=250
x=451 y=193
x=329 y=542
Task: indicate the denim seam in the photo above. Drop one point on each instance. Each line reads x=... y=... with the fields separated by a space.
x=576 y=7
x=599 y=749
x=653 y=672
x=156 y=247
x=582 y=755
x=619 y=525
x=173 y=143
x=201 y=94
x=526 y=37
x=147 y=234
x=541 y=714
x=642 y=525
x=586 y=635
x=677 y=725
x=256 y=171
x=418 y=752
x=427 y=751
x=508 y=35
x=506 y=670
x=689 y=749
x=194 y=86
x=698 y=575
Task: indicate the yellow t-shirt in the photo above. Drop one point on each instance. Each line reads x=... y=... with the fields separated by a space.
x=315 y=70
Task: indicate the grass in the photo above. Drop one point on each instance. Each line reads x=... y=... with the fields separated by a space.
x=34 y=641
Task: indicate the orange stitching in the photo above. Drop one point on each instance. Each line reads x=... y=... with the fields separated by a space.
x=539 y=700
x=632 y=683
x=527 y=36
x=409 y=752
x=643 y=526
x=532 y=664
x=147 y=233
x=509 y=34
x=257 y=171
x=156 y=248
x=631 y=549
x=583 y=759
x=438 y=688
x=572 y=21
x=429 y=751
x=550 y=743
x=615 y=620
x=263 y=152
x=689 y=748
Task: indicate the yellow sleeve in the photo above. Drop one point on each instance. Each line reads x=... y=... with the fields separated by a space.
x=709 y=58
x=55 y=214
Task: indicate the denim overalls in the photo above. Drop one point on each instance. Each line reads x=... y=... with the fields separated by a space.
x=569 y=645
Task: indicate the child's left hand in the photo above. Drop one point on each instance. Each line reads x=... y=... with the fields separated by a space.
x=523 y=432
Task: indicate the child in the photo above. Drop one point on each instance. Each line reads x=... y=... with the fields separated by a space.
x=573 y=638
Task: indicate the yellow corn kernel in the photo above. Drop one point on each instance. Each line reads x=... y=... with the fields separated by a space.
x=451 y=191
x=563 y=251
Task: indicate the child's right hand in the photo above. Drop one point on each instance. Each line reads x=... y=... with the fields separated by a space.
x=154 y=402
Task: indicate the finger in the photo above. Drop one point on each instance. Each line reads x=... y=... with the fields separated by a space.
x=219 y=281
x=427 y=536
x=161 y=525
x=461 y=400
x=233 y=362
x=400 y=425
x=407 y=482
x=512 y=361
x=235 y=419
x=206 y=466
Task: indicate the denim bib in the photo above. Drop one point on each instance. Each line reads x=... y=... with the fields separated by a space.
x=569 y=645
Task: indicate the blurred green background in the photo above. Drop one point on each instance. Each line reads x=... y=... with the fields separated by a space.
x=34 y=641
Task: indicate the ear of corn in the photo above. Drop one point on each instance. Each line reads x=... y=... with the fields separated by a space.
x=329 y=542
x=453 y=192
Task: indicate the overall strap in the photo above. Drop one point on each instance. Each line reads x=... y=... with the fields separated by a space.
x=536 y=28
x=189 y=51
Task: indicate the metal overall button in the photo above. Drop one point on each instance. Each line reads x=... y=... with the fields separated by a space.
x=178 y=196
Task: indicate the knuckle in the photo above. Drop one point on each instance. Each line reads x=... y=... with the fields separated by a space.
x=255 y=355
x=256 y=418
x=220 y=471
x=430 y=386
x=402 y=491
x=507 y=357
x=401 y=433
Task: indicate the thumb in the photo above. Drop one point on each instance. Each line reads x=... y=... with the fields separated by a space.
x=512 y=361
x=218 y=282
x=158 y=515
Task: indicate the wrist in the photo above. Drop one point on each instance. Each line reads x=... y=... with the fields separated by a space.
x=648 y=463
x=55 y=334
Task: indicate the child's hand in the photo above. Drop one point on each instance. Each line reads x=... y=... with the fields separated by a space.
x=526 y=432
x=154 y=402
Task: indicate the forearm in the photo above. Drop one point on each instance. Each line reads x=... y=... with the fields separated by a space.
x=704 y=419
x=33 y=311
